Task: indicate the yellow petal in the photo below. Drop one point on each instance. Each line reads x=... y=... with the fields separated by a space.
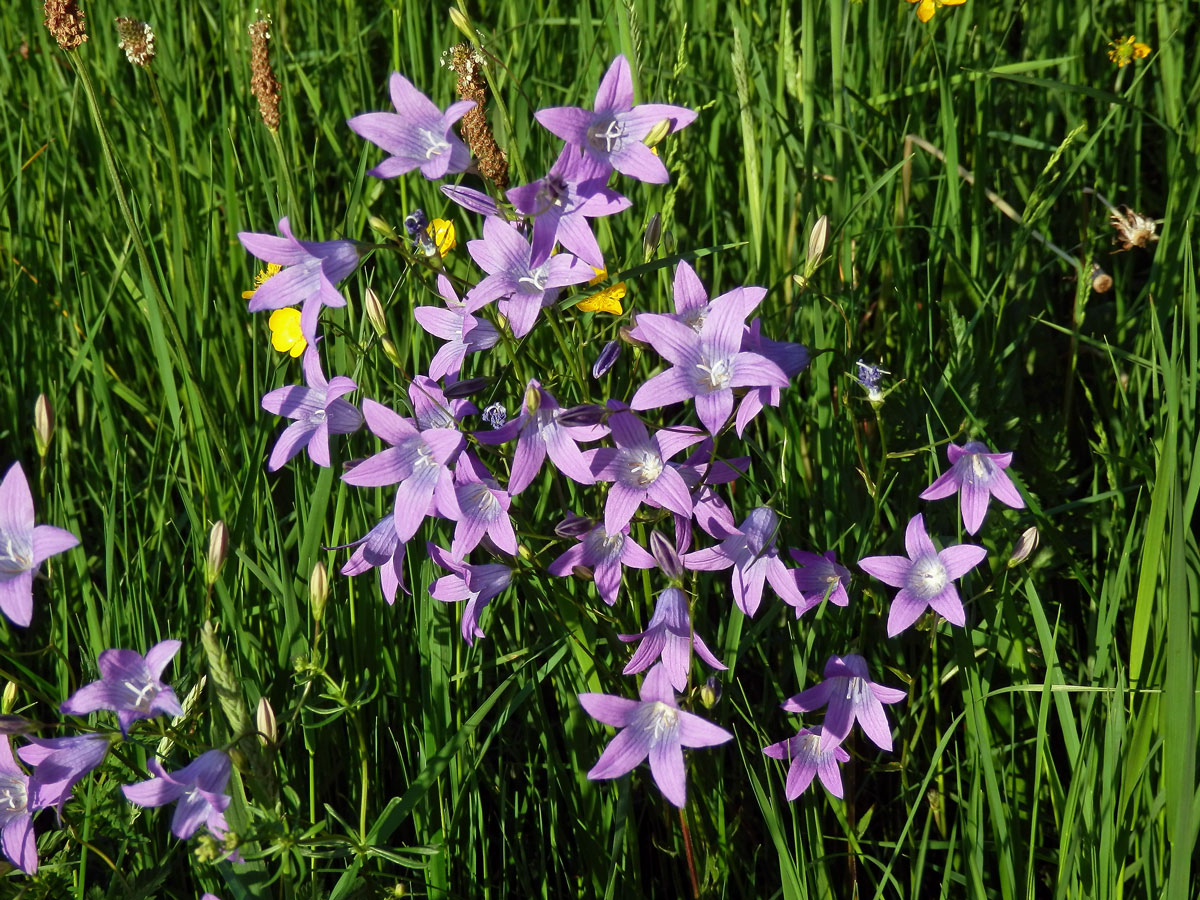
x=607 y=301
x=926 y=10
x=443 y=234
x=601 y=275
x=286 y=336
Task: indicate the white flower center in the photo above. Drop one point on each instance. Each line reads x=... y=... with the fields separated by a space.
x=717 y=374
x=694 y=318
x=424 y=458
x=16 y=555
x=13 y=795
x=661 y=720
x=142 y=695
x=642 y=467
x=607 y=135
x=927 y=577
x=980 y=469
x=316 y=417
x=534 y=282
x=434 y=145
x=483 y=501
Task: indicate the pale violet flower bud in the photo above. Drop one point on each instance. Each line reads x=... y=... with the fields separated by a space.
x=1025 y=545
x=606 y=359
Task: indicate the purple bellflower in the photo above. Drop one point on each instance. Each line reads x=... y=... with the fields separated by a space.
x=482 y=509
x=850 y=695
x=58 y=765
x=613 y=133
x=130 y=685
x=751 y=551
x=477 y=585
x=669 y=636
x=539 y=435
x=692 y=305
x=707 y=364
x=417 y=135
x=925 y=577
x=809 y=760
x=455 y=323
x=605 y=554
x=311 y=273
x=381 y=549
x=654 y=726
x=638 y=470
x=573 y=191
x=318 y=410
x=23 y=546
x=16 y=817
x=522 y=286
x=978 y=475
x=432 y=409
x=199 y=787
x=417 y=460
x=820 y=577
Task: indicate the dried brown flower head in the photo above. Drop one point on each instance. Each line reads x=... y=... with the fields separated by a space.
x=468 y=63
x=263 y=83
x=64 y=19
x=1133 y=229
x=136 y=39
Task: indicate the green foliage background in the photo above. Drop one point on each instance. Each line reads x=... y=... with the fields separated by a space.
x=1049 y=751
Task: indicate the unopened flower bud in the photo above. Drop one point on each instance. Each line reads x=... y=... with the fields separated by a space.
x=606 y=359
x=264 y=718
x=817 y=240
x=461 y=23
x=525 y=553
x=583 y=415
x=573 y=526
x=652 y=235
x=9 y=698
x=710 y=692
x=669 y=242
x=533 y=398
x=582 y=572
x=43 y=424
x=466 y=388
x=390 y=351
x=379 y=226
x=375 y=313
x=657 y=133
x=218 y=548
x=318 y=591
x=1024 y=546
x=665 y=555
x=623 y=331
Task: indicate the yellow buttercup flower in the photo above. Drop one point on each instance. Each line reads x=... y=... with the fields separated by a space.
x=608 y=300
x=1125 y=50
x=286 y=336
x=442 y=232
x=261 y=278
x=926 y=8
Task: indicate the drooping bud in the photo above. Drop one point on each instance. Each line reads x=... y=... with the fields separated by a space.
x=218 y=547
x=1024 y=546
x=318 y=591
x=263 y=83
x=582 y=572
x=136 y=39
x=665 y=555
x=652 y=235
x=264 y=719
x=606 y=359
x=466 y=388
x=43 y=424
x=584 y=415
x=375 y=313
x=573 y=526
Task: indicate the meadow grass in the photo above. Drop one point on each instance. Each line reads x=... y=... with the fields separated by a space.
x=1048 y=750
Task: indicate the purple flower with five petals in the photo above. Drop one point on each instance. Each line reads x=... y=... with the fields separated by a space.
x=613 y=133
x=477 y=585
x=130 y=685
x=573 y=191
x=58 y=765
x=670 y=636
x=539 y=435
x=751 y=551
x=978 y=475
x=318 y=410
x=605 y=553
x=692 y=305
x=654 y=726
x=850 y=694
x=199 y=787
x=23 y=546
x=312 y=271
x=925 y=577
x=417 y=135
x=482 y=509
x=809 y=760
x=381 y=549
x=638 y=470
x=463 y=332
x=522 y=287
x=820 y=577
x=16 y=816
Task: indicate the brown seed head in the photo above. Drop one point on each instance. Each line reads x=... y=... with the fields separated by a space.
x=468 y=64
x=64 y=19
x=136 y=39
x=263 y=83
x=1133 y=229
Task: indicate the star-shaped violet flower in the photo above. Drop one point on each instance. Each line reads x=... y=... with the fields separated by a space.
x=809 y=760
x=613 y=133
x=654 y=726
x=482 y=509
x=850 y=694
x=539 y=434
x=605 y=553
x=381 y=549
x=130 y=685
x=751 y=551
x=692 y=305
x=820 y=577
x=312 y=271
x=58 y=765
x=669 y=636
x=522 y=287
x=706 y=365
x=199 y=787
x=573 y=191
x=978 y=475
x=417 y=135
x=455 y=324
x=16 y=816
x=23 y=546
x=925 y=577
x=638 y=470
x=318 y=410
x=476 y=584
